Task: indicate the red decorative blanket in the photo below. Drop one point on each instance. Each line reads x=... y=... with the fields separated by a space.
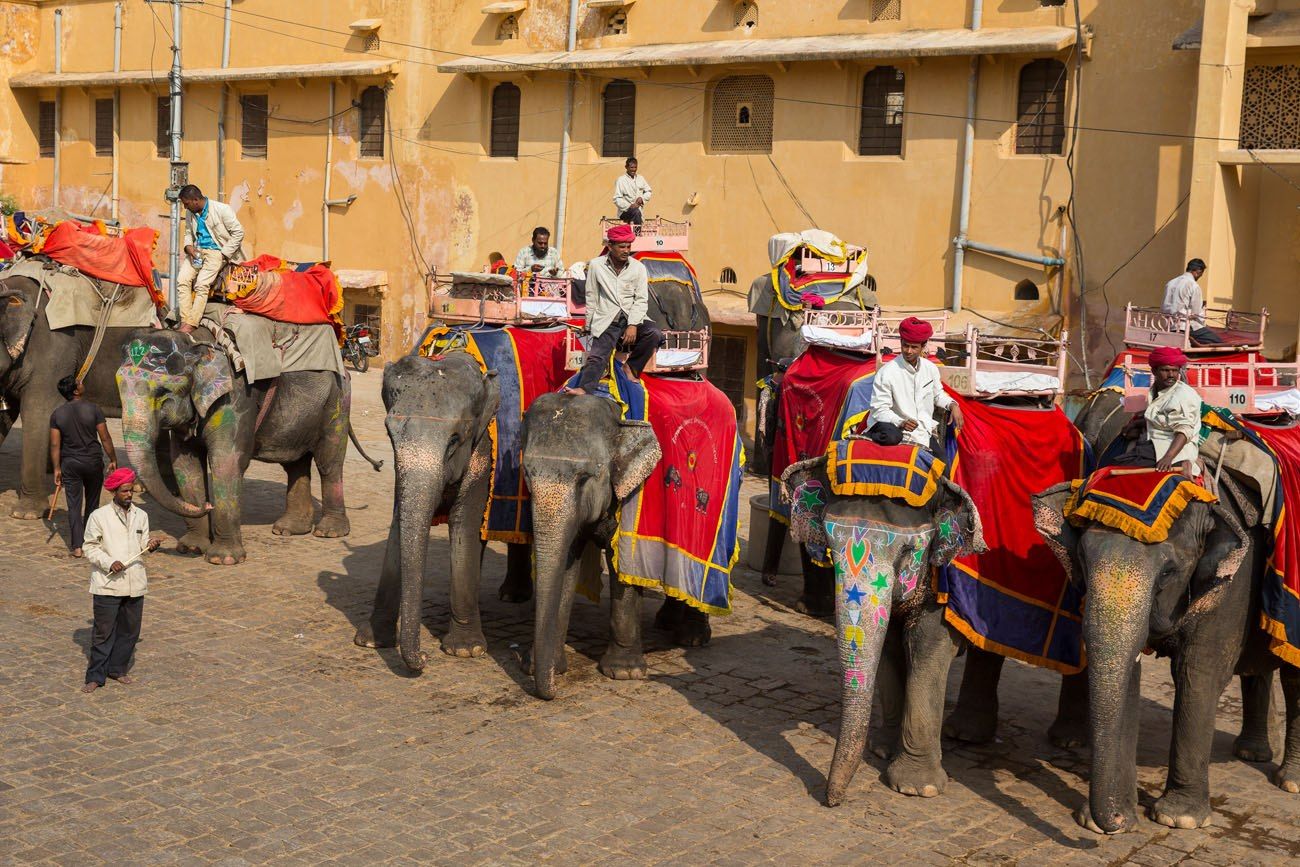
x=1281 y=594
x=127 y=259
x=307 y=297
x=813 y=391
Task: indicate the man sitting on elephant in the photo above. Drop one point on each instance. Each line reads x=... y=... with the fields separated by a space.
x=1172 y=420
x=906 y=392
x=618 y=295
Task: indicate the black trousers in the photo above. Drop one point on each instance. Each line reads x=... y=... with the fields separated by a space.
x=1137 y=453
x=648 y=339
x=117 y=629
x=884 y=433
x=83 y=479
x=633 y=216
x=1206 y=336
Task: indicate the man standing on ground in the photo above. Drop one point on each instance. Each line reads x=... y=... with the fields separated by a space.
x=906 y=392
x=618 y=295
x=1184 y=301
x=77 y=431
x=117 y=537
x=540 y=257
x=213 y=237
x=631 y=192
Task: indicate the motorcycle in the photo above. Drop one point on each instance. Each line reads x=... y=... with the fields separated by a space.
x=359 y=346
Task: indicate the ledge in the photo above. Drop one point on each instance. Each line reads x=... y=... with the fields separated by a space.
x=342 y=69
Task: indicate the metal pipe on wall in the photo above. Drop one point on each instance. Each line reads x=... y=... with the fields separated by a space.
x=117 y=103
x=329 y=167
x=968 y=164
x=175 y=92
x=221 y=106
x=1032 y=258
x=562 y=193
x=58 y=106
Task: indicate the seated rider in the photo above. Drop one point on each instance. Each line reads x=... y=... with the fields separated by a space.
x=1185 y=302
x=540 y=257
x=1172 y=421
x=907 y=390
x=618 y=295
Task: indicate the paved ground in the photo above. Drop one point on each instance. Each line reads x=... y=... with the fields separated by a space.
x=260 y=733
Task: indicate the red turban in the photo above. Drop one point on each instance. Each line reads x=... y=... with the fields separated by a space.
x=914 y=330
x=119 y=477
x=1167 y=356
x=620 y=234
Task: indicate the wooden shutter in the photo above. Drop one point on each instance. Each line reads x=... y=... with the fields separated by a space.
x=881 y=133
x=47 y=115
x=727 y=369
x=1040 y=127
x=505 y=121
x=252 y=132
x=372 y=122
x=104 y=127
x=619 y=138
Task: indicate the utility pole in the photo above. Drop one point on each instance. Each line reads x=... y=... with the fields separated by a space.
x=179 y=168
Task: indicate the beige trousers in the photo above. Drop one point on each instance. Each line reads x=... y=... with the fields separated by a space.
x=194 y=285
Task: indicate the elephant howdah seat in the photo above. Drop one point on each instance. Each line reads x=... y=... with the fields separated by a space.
x=1150 y=327
x=72 y=299
x=987 y=366
x=262 y=348
x=1246 y=386
x=500 y=299
x=301 y=293
x=656 y=234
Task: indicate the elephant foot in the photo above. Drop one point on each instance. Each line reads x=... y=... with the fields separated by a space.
x=815 y=606
x=516 y=589
x=367 y=637
x=884 y=743
x=561 y=662
x=333 y=527
x=292 y=525
x=225 y=554
x=912 y=775
x=1252 y=748
x=465 y=642
x=1083 y=816
x=693 y=630
x=971 y=726
x=1069 y=732
x=622 y=663
x=192 y=543
x=769 y=579
x=25 y=511
x=1287 y=778
x=1181 y=809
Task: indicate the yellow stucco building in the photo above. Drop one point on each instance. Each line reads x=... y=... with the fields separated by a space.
x=395 y=137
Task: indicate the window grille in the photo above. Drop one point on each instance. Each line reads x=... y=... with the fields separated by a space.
x=618 y=137
x=163 y=131
x=728 y=277
x=746 y=15
x=886 y=10
x=1041 y=108
x=1270 y=108
x=616 y=24
x=372 y=122
x=727 y=369
x=253 y=110
x=46 y=114
x=741 y=115
x=104 y=127
x=505 y=121
x=881 y=132
x=508 y=29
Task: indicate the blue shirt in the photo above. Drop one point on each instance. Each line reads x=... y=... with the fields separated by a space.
x=201 y=233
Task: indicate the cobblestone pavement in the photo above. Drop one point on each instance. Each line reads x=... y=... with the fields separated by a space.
x=261 y=733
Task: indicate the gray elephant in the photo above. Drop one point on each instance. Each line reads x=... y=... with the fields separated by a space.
x=180 y=390
x=1195 y=598
x=438 y=416
x=35 y=359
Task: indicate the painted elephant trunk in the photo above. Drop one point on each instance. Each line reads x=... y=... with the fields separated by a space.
x=140 y=431
x=860 y=642
x=419 y=492
x=557 y=577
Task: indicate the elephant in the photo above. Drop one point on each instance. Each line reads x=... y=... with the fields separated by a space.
x=1196 y=599
x=438 y=412
x=36 y=358
x=180 y=390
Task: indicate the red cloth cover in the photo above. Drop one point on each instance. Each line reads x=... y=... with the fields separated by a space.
x=812 y=392
x=127 y=260
x=308 y=297
x=1281 y=596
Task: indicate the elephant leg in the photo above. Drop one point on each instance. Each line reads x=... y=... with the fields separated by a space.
x=624 y=658
x=689 y=626
x=33 y=492
x=930 y=646
x=772 y=551
x=1070 y=728
x=1287 y=776
x=818 y=598
x=1252 y=744
x=975 y=718
x=518 y=585
x=891 y=686
x=381 y=629
x=6 y=424
x=298 y=508
x=186 y=459
x=329 y=454
x=464 y=636
x=227 y=464
x=1200 y=675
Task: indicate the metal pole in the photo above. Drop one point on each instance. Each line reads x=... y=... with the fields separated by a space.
x=117 y=104
x=174 y=91
x=562 y=193
x=329 y=170
x=968 y=165
x=58 y=107
x=221 y=107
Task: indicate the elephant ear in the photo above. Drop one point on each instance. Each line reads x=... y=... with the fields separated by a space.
x=636 y=452
x=16 y=315
x=958 y=528
x=1059 y=534
x=806 y=488
x=211 y=375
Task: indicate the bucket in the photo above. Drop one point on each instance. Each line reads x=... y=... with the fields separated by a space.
x=758 y=526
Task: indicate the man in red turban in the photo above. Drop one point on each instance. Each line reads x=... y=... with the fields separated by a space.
x=906 y=392
x=618 y=296
x=1167 y=436
x=117 y=537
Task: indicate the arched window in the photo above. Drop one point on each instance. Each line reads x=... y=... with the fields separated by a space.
x=372 y=122
x=740 y=115
x=728 y=277
x=881 y=133
x=1040 y=127
x=1026 y=290
x=618 y=137
x=505 y=121
x=616 y=23
x=746 y=15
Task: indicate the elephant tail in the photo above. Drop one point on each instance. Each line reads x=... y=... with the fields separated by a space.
x=352 y=435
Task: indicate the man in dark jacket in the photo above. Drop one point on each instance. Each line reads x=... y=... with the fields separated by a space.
x=77 y=431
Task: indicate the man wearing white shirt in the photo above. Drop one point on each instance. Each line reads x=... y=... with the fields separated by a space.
x=539 y=257
x=906 y=391
x=631 y=192
x=1183 y=300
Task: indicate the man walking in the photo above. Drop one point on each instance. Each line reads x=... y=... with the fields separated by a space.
x=631 y=192
x=213 y=237
x=618 y=295
x=77 y=432
x=1184 y=301
x=117 y=536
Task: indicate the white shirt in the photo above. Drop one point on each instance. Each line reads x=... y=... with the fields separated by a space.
x=1176 y=410
x=116 y=535
x=527 y=258
x=1183 y=299
x=628 y=189
x=902 y=393
x=609 y=293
